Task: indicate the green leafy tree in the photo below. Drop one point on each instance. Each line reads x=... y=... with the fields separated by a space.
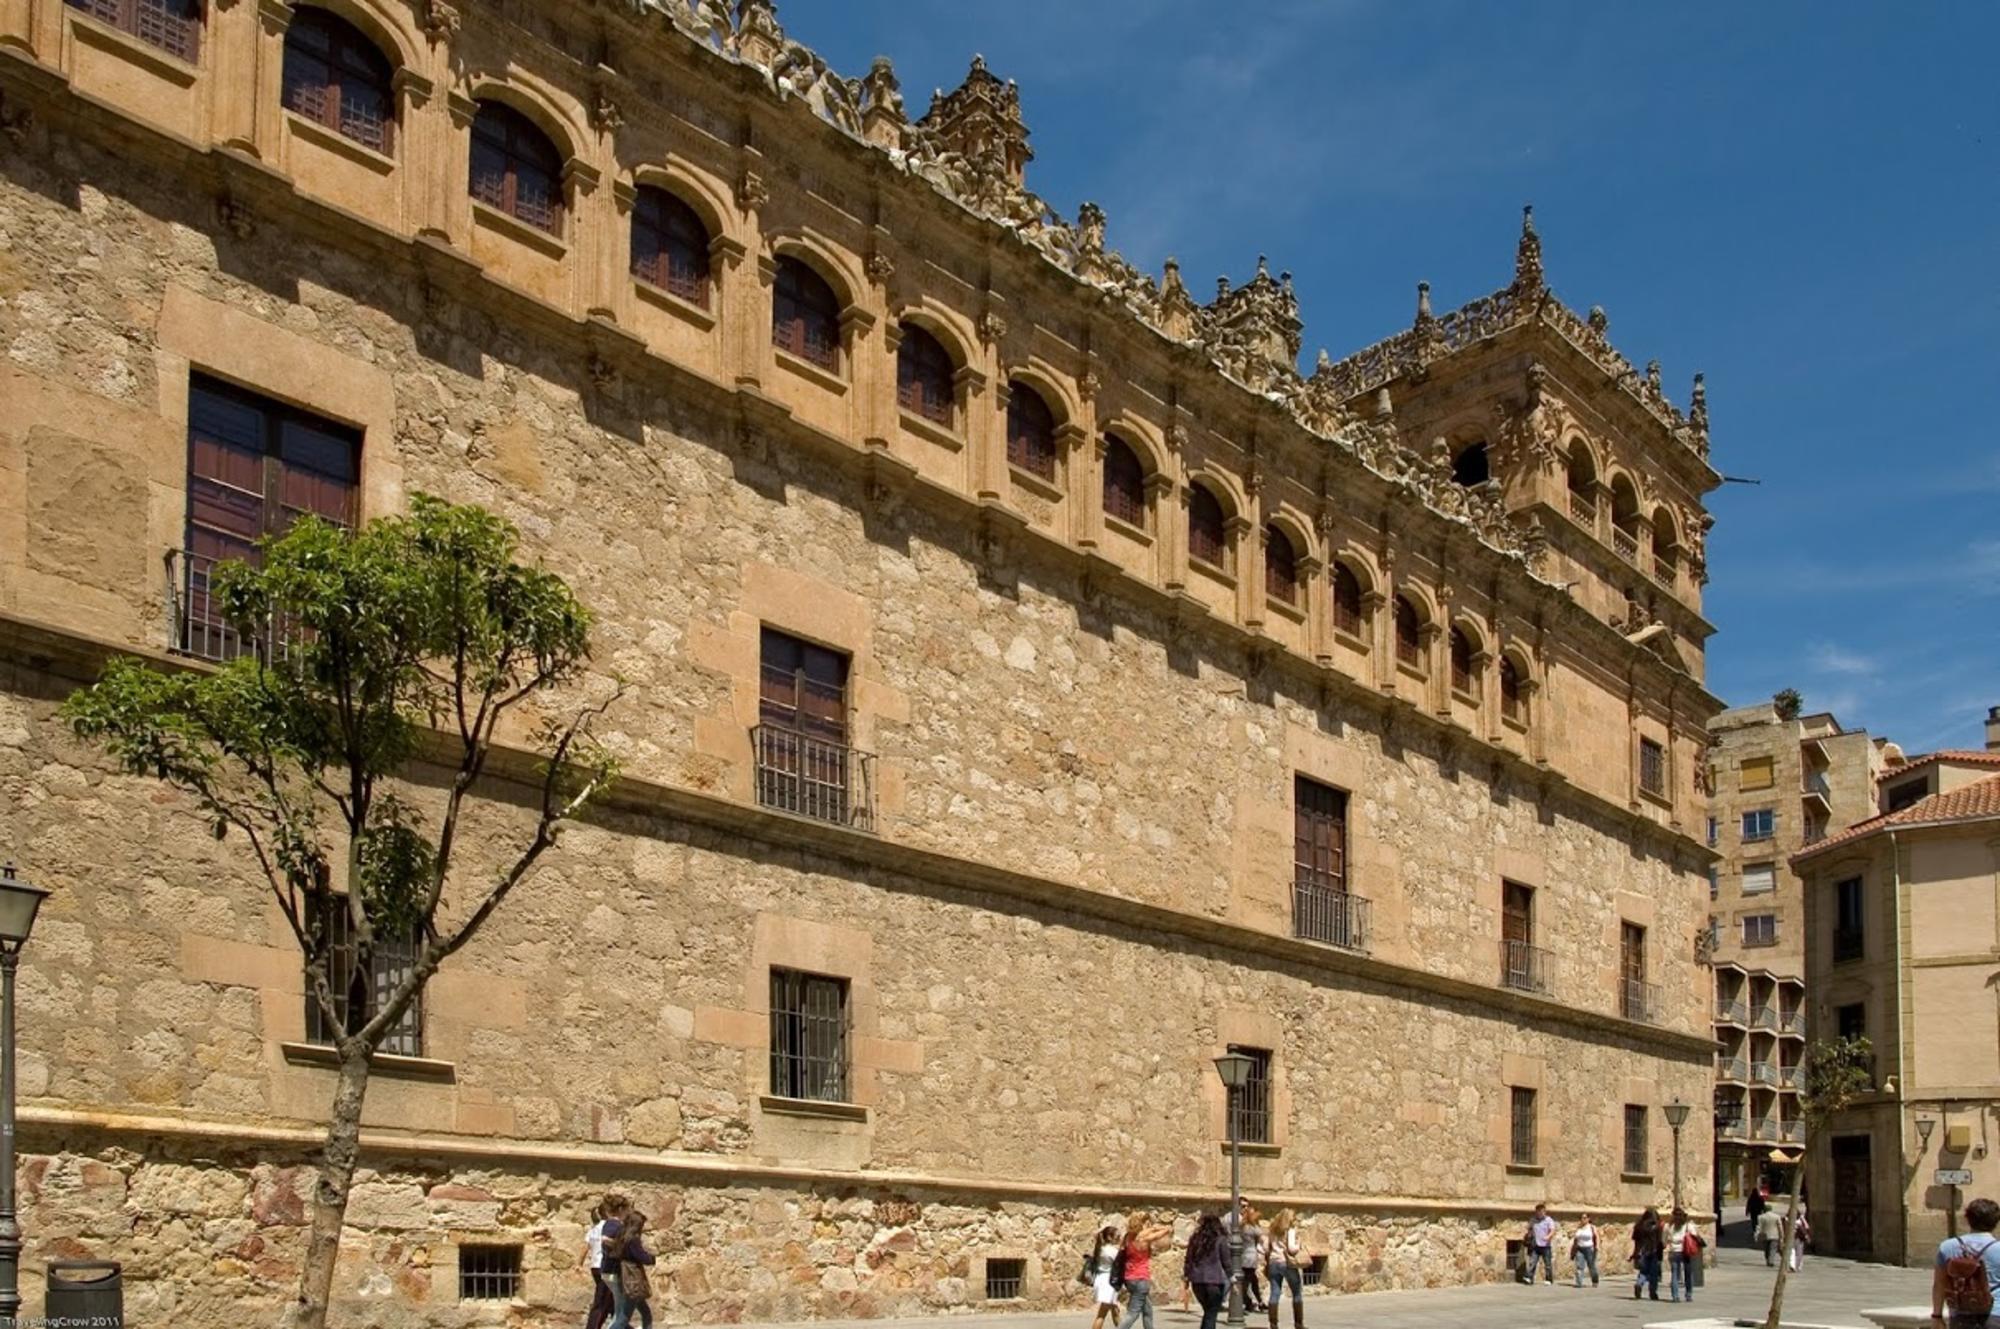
x=1835 y=1072
x=383 y=668
x=1788 y=703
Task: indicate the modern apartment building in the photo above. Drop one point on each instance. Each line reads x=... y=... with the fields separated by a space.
x=1038 y=686
x=1902 y=924
x=1777 y=785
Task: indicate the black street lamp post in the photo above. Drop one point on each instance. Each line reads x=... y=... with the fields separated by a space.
x=18 y=903
x=1234 y=1068
x=1677 y=1115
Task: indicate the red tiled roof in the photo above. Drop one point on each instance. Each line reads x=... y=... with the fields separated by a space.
x=1977 y=801
x=1958 y=756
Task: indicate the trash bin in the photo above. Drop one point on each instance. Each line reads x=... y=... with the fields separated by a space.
x=84 y=1294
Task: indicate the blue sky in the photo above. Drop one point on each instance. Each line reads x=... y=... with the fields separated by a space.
x=1801 y=200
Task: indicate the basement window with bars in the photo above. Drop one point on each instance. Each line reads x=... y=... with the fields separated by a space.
x=1521 y=1133
x=1251 y=1105
x=489 y=1273
x=1314 y=1274
x=809 y=1045
x=1004 y=1278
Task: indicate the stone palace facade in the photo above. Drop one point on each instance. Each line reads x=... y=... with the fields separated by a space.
x=1039 y=686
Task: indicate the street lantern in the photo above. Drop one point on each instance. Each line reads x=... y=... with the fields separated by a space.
x=1233 y=1068
x=1677 y=1115
x=19 y=903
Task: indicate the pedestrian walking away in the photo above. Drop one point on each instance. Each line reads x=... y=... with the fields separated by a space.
x=1801 y=1238
x=1770 y=1234
x=609 y=1209
x=1684 y=1247
x=1103 y=1255
x=1253 y=1236
x=1648 y=1243
x=1281 y=1267
x=1541 y=1243
x=1966 y=1284
x=1136 y=1250
x=635 y=1263
x=1583 y=1250
x=1206 y=1268
x=1754 y=1207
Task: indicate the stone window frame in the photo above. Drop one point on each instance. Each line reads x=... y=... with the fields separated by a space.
x=1519 y=1071
x=1248 y=1027
x=355 y=57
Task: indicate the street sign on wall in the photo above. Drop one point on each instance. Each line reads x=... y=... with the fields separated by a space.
x=1953 y=1176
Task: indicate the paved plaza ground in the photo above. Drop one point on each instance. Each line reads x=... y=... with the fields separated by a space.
x=1828 y=1292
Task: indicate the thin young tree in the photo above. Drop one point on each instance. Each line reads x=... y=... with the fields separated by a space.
x=385 y=674
x=1835 y=1072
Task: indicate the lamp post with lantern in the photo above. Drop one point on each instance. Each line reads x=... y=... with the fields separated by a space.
x=1234 y=1069
x=18 y=903
x=1677 y=1115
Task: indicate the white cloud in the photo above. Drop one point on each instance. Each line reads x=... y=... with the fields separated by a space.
x=1828 y=658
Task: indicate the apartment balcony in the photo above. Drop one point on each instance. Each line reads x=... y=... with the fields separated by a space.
x=1763 y=1017
x=1731 y=1010
x=1788 y=1077
x=1626 y=544
x=1326 y=913
x=1813 y=788
x=1739 y=1129
x=814 y=777
x=1639 y=1000
x=1792 y=1132
x=1792 y=1024
x=196 y=625
x=1763 y=1072
x=1765 y=1130
x=1523 y=967
x=1732 y=1070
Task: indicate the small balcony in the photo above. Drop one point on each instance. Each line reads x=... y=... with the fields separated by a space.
x=1737 y=1129
x=1523 y=967
x=1326 y=913
x=1765 y=1130
x=1639 y=1000
x=1763 y=1072
x=1732 y=1070
x=1813 y=788
x=814 y=777
x=1626 y=544
x=1788 y=1077
x=1583 y=510
x=1731 y=1010
x=1792 y=1132
x=196 y=626
x=1664 y=571
x=1763 y=1017
x=1792 y=1023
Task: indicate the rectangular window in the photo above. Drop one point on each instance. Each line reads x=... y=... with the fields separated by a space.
x=1520 y=961
x=359 y=993
x=1714 y=882
x=1848 y=938
x=1652 y=767
x=1760 y=929
x=1635 y=996
x=489 y=1273
x=1757 y=773
x=1322 y=907
x=804 y=763
x=1903 y=795
x=1003 y=1278
x=1638 y=1152
x=1521 y=1134
x=808 y=1036
x=1251 y=1105
x=254 y=467
x=1711 y=832
x=1759 y=878
x=1851 y=1021
x=1759 y=824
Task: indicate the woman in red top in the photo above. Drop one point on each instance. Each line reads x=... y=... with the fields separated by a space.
x=1140 y=1242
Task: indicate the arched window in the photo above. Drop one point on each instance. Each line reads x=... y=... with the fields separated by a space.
x=670 y=245
x=1462 y=664
x=1281 y=567
x=1124 y=482
x=1582 y=475
x=1624 y=506
x=174 y=26
x=1031 y=432
x=515 y=168
x=1471 y=466
x=805 y=314
x=923 y=375
x=1666 y=547
x=337 y=77
x=1513 y=699
x=1409 y=633
x=1208 y=532
x=1346 y=600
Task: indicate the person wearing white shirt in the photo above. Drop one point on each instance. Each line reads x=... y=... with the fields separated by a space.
x=1583 y=1249
x=1280 y=1254
x=1684 y=1245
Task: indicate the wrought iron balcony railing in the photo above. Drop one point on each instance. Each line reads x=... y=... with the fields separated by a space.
x=195 y=623
x=814 y=777
x=1325 y=913
x=1524 y=967
x=1792 y=1132
x=1731 y=1069
x=1763 y=1072
x=1639 y=1000
x=1792 y=1022
x=1730 y=1010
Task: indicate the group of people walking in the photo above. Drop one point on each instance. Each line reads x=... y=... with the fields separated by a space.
x=1674 y=1244
x=1767 y=1226
x=1122 y=1262
x=614 y=1247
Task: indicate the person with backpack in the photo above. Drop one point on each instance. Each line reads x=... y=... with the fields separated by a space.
x=1134 y=1267
x=633 y=1280
x=1967 y=1281
x=1097 y=1269
x=1206 y=1268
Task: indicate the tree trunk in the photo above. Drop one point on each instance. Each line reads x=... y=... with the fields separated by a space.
x=336 y=1176
x=1785 y=1246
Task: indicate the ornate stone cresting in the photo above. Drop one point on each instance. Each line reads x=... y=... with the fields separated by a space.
x=1252 y=331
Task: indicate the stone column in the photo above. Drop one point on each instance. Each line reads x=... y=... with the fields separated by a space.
x=971 y=403
x=1174 y=546
x=986 y=437
x=448 y=212
x=1380 y=620
x=590 y=221
x=1086 y=486
x=1318 y=591
x=865 y=362
x=1437 y=682
x=1246 y=540
x=246 y=56
x=1078 y=464
x=1160 y=509
x=419 y=125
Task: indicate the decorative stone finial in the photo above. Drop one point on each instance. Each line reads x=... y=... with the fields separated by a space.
x=1653 y=377
x=1325 y=361
x=1698 y=405
x=882 y=117
x=1384 y=408
x=1424 y=315
x=1528 y=254
x=1599 y=322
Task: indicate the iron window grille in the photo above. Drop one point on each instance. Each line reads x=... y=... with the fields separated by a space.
x=1524 y=967
x=1208 y=529
x=173 y=26
x=804 y=765
x=335 y=76
x=1638 y=1152
x=1314 y=1274
x=1521 y=1136
x=809 y=1036
x=1281 y=567
x=1031 y=432
x=670 y=245
x=1409 y=634
x=515 y=168
x=1250 y=1105
x=805 y=315
x=924 y=374
x=358 y=994
x=1652 y=767
x=1004 y=1278
x=489 y=1273
x=1346 y=600
x=1124 y=483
